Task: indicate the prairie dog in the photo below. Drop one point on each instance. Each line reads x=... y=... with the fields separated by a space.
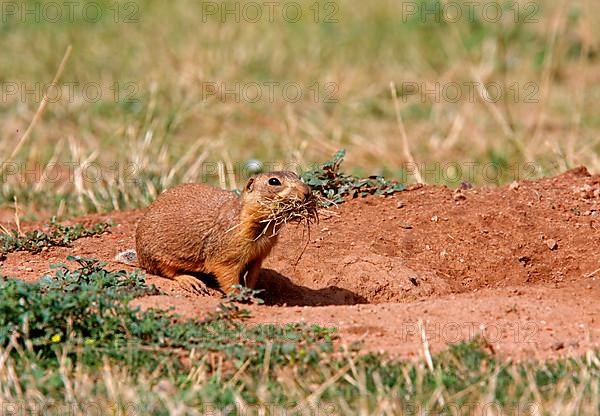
x=197 y=229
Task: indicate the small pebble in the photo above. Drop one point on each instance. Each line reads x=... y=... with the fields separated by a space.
x=458 y=195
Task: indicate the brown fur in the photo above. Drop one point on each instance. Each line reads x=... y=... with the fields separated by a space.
x=199 y=229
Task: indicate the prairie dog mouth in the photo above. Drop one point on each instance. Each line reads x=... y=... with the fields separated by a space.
x=280 y=211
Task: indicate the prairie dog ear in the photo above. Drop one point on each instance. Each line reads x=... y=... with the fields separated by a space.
x=249 y=185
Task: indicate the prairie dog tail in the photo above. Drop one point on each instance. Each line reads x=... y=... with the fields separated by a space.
x=128 y=257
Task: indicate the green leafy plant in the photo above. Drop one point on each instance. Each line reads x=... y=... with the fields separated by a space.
x=91 y=275
x=58 y=235
x=243 y=294
x=87 y=309
x=333 y=186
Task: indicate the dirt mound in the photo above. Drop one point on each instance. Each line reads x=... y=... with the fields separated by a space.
x=524 y=254
x=431 y=240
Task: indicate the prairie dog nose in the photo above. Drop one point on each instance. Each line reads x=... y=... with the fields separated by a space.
x=306 y=191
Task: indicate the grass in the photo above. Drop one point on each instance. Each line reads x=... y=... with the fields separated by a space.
x=167 y=124
x=73 y=340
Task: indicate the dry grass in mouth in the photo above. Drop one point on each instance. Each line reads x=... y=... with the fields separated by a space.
x=278 y=212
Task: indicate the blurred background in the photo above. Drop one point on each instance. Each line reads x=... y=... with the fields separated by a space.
x=154 y=93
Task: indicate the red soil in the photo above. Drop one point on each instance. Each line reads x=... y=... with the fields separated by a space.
x=518 y=264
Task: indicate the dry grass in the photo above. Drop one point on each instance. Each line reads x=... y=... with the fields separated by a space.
x=277 y=212
x=345 y=386
x=124 y=153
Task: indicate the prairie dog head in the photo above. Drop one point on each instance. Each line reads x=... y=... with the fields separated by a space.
x=281 y=185
x=279 y=197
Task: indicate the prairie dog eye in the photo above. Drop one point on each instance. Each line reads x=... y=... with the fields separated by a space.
x=274 y=182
